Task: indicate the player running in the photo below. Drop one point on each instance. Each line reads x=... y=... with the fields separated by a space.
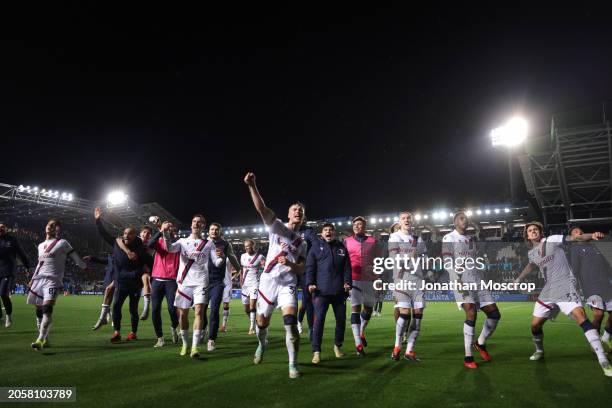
x=192 y=279
x=9 y=251
x=559 y=291
x=46 y=282
x=252 y=264
x=404 y=245
x=457 y=247
x=278 y=282
x=361 y=249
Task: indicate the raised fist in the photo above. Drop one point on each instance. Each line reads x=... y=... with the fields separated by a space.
x=249 y=179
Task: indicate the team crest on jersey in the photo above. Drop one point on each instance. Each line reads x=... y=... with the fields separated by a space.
x=341 y=252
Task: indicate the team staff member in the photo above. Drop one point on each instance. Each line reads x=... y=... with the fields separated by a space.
x=216 y=280
x=163 y=284
x=9 y=251
x=128 y=274
x=328 y=275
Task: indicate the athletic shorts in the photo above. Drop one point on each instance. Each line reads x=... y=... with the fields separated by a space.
x=480 y=298
x=363 y=293
x=6 y=284
x=227 y=293
x=597 y=302
x=550 y=310
x=248 y=293
x=43 y=290
x=188 y=296
x=272 y=295
x=409 y=299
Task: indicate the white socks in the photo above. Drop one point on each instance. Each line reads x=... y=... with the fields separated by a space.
x=415 y=329
x=46 y=325
x=487 y=330
x=261 y=335
x=292 y=340
x=400 y=326
x=226 y=314
x=197 y=336
x=468 y=336
x=185 y=337
x=104 y=311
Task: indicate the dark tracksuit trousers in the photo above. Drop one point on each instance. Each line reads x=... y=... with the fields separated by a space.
x=215 y=296
x=123 y=290
x=159 y=290
x=321 y=305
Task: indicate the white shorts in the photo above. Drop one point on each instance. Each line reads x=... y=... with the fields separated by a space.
x=363 y=293
x=227 y=293
x=550 y=310
x=480 y=298
x=409 y=299
x=248 y=293
x=187 y=296
x=597 y=302
x=273 y=295
x=42 y=290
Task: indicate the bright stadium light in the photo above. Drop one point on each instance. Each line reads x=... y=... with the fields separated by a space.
x=497 y=211
x=468 y=213
x=21 y=187
x=487 y=212
x=479 y=212
x=243 y=230
x=117 y=198
x=426 y=216
x=339 y=223
x=372 y=220
x=396 y=219
x=417 y=217
x=512 y=133
x=506 y=210
x=380 y=220
x=267 y=229
x=435 y=216
x=387 y=219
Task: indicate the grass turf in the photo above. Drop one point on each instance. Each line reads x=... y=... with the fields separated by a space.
x=136 y=374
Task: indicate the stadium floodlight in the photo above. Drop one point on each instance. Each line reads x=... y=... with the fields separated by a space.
x=372 y=220
x=267 y=229
x=21 y=187
x=417 y=217
x=380 y=220
x=512 y=133
x=506 y=210
x=479 y=212
x=426 y=216
x=487 y=212
x=468 y=213
x=339 y=223
x=396 y=219
x=243 y=230
x=388 y=219
x=497 y=211
x=435 y=216
x=116 y=198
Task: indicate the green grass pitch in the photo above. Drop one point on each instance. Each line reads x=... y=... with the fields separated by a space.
x=135 y=374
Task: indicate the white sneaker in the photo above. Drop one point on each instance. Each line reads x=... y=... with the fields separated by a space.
x=316 y=357
x=160 y=342
x=8 y=322
x=338 y=351
x=299 y=327
x=607 y=369
x=538 y=355
x=211 y=345
x=293 y=372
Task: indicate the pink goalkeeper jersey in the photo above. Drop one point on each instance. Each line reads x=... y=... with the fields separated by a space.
x=165 y=264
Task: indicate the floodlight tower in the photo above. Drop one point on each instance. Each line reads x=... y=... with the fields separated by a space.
x=512 y=134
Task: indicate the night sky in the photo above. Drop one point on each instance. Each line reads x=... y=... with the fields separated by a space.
x=349 y=111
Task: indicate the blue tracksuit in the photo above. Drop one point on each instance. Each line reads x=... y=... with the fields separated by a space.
x=328 y=267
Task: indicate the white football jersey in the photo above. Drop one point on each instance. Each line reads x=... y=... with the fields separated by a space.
x=251 y=264
x=198 y=272
x=283 y=241
x=52 y=263
x=458 y=246
x=550 y=257
x=410 y=246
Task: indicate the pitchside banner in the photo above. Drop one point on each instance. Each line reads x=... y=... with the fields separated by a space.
x=461 y=269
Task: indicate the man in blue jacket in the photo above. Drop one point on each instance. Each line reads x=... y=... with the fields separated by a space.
x=328 y=275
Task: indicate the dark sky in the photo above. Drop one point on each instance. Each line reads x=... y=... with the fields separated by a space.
x=350 y=111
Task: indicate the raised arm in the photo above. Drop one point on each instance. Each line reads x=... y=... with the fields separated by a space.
x=110 y=240
x=267 y=215
x=586 y=237
x=170 y=246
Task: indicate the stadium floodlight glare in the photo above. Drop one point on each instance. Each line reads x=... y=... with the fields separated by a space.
x=468 y=213
x=426 y=216
x=267 y=229
x=117 y=198
x=396 y=219
x=380 y=220
x=21 y=187
x=497 y=211
x=435 y=216
x=479 y=212
x=506 y=210
x=339 y=223
x=417 y=217
x=487 y=212
x=512 y=133
x=243 y=230
x=372 y=220
x=387 y=219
